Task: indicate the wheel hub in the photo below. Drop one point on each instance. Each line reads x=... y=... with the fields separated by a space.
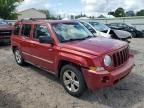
x=71 y=81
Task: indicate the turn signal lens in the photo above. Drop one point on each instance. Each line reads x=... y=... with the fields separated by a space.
x=93 y=68
x=97 y=68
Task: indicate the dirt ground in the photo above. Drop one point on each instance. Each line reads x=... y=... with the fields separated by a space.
x=30 y=87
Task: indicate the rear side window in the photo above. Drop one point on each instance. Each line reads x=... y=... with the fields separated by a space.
x=26 y=29
x=16 y=29
x=40 y=30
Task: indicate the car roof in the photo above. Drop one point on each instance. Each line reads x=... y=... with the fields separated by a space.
x=45 y=21
x=117 y=23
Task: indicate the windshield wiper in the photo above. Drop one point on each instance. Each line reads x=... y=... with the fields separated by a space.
x=88 y=37
x=73 y=40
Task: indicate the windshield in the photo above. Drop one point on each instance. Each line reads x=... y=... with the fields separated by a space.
x=130 y=25
x=2 y=22
x=99 y=26
x=71 y=31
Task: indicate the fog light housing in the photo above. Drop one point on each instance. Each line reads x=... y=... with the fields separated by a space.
x=105 y=79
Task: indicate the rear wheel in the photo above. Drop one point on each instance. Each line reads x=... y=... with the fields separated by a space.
x=18 y=57
x=73 y=80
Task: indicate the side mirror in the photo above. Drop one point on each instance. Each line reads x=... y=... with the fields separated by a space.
x=46 y=39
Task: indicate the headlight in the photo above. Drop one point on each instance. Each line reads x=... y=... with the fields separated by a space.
x=107 y=60
x=131 y=29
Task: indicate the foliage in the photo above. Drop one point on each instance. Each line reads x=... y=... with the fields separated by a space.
x=8 y=8
x=140 y=13
x=79 y=16
x=119 y=12
x=130 y=13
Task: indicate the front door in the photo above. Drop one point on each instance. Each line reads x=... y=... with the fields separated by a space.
x=43 y=53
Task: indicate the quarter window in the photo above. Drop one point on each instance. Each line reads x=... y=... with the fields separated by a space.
x=40 y=30
x=16 y=29
x=26 y=29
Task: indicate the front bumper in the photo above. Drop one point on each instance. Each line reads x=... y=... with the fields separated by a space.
x=96 y=80
x=4 y=38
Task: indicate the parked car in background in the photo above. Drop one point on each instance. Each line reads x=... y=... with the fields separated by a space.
x=5 y=31
x=100 y=29
x=126 y=27
x=95 y=31
x=72 y=53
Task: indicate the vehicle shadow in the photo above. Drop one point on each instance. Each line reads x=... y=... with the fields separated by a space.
x=4 y=45
x=125 y=94
x=43 y=72
x=9 y=101
x=135 y=52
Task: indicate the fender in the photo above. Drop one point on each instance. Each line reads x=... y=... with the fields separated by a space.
x=72 y=58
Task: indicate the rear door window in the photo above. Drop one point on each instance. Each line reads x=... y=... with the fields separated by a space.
x=26 y=30
x=16 y=29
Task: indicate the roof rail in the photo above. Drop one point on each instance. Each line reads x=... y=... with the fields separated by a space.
x=32 y=19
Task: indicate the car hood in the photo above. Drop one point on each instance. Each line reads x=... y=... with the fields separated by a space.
x=122 y=34
x=6 y=27
x=95 y=46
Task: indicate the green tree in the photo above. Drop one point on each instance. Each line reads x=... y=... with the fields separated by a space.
x=140 y=13
x=119 y=12
x=130 y=13
x=72 y=16
x=8 y=8
x=80 y=15
x=111 y=13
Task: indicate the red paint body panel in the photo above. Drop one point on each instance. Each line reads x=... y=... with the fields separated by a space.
x=84 y=53
x=94 y=79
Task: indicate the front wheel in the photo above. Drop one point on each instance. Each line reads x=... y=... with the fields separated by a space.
x=72 y=80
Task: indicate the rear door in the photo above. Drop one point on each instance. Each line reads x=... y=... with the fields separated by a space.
x=15 y=38
x=26 y=42
x=44 y=54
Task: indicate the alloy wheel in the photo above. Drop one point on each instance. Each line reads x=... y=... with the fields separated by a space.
x=71 y=81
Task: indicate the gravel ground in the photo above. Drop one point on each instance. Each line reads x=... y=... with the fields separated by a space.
x=30 y=87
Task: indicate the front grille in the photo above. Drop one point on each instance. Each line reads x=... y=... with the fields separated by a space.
x=5 y=33
x=120 y=57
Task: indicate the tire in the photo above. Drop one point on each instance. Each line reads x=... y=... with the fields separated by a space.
x=72 y=80
x=18 y=57
x=134 y=35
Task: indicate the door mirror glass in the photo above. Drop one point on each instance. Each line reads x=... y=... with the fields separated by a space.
x=46 y=39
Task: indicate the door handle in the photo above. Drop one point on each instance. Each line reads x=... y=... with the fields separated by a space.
x=50 y=49
x=33 y=45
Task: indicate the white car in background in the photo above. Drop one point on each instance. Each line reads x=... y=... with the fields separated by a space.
x=99 y=29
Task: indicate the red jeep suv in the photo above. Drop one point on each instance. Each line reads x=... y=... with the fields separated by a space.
x=69 y=51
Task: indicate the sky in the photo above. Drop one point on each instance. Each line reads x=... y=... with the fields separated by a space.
x=88 y=7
